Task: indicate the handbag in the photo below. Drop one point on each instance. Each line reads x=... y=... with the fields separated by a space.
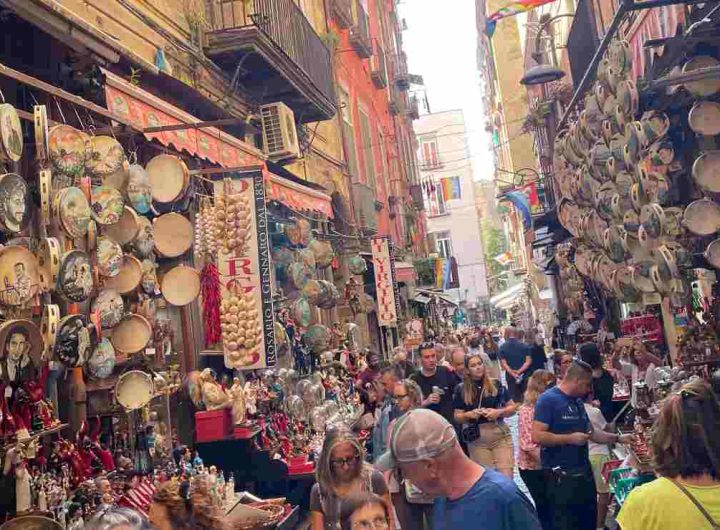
x=470 y=432
x=700 y=507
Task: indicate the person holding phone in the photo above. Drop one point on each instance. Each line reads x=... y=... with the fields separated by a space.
x=480 y=404
x=436 y=382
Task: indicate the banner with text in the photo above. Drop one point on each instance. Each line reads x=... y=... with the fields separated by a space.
x=384 y=281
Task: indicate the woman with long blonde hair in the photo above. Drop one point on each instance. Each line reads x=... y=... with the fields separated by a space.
x=341 y=472
x=480 y=405
x=529 y=452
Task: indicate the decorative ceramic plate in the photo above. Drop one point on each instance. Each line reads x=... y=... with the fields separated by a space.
x=106 y=156
x=138 y=189
x=68 y=150
x=75 y=279
x=10 y=133
x=109 y=257
x=132 y=334
x=106 y=205
x=74 y=211
x=180 y=285
x=19 y=275
x=75 y=341
x=173 y=235
x=109 y=305
x=101 y=363
x=168 y=176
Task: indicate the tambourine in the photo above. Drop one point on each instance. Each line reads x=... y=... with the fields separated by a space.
x=68 y=150
x=126 y=229
x=75 y=278
x=702 y=217
x=704 y=87
x=40 y=121
x=706 y=171
x=101 y=363
x=106 y=205
x=173 y=235
x=76 y=339
x=712 y=253
x=48 y=258
x=138 y=189
x=132 y=334
x=14 y=207
x=168 y=177
x=105 y=157
x=180 y=285
x=109 y=257
x=31 y=522
x=11 y=134
x=134 y=389
x=704 y=118
x=34 y=343
x=45 y=185
x=128 y=279
x=110 y=306
x=19 y=275
x=74 y=211
x=48 y=328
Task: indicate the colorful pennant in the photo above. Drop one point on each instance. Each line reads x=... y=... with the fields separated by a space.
x=520 y=6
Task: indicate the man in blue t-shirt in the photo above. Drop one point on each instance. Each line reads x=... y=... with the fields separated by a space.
x=468 y=496
x=562 y=429
x=515 y=359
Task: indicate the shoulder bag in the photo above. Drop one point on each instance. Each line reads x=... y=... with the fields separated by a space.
x=713 y=524
x=470 y=432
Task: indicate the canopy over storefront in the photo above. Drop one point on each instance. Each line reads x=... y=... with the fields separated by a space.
x=508 y=297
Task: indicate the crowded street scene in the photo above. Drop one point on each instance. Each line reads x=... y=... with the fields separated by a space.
x=360 y=265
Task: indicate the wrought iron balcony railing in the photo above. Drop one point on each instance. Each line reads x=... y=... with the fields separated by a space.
x=360 y=32
x=378 y=72
x=342 y=12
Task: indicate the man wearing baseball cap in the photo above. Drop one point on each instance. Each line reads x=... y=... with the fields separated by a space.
x=469 y=497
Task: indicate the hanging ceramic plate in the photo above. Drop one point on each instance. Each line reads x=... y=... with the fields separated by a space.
x=74 y=212
x=109 y=257
x=301 y=311
x=129 y=277
x=105 y=156
x=76 y=339
x=25 y=335
x=641 y=276
x=173 y=235
x=48 y=327
x=75 y=279
x=655 y=186
x=48 y=258
x=68 y=150
x=134 y=390
x=661 y=153
x=106 y=205
x=109 y=305
x=702 y=217
x=101 y=363
x=132 y=334
x=168 y=176
x=126 y=229
x=712 y=253
x=704 y=118
x=180 y=285
x=10 y=133
x=14 y=210
x=704 y=87
x=138 y=189
x=300 y=274
x=144 y=243
x=706 y=171
x=40 y=120
x=19 y=275
x=655 y=125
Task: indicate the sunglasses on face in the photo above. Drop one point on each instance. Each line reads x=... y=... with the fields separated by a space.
x=340 y=462
x=379 y=523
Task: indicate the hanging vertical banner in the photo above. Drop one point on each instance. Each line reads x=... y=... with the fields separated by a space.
x=384 y=281
x=396 y=290
x=245 y=288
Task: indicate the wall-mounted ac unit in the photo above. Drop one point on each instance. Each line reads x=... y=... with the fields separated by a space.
x=280 y=138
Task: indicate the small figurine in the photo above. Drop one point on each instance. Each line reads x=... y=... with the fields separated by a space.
x=237 y=392
x=213 y=395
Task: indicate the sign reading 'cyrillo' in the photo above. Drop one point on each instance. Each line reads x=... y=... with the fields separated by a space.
x=384 y=281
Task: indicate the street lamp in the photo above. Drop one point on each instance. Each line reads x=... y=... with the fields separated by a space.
x=541 y=74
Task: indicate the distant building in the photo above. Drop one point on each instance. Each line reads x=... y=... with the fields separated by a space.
x=448 y=187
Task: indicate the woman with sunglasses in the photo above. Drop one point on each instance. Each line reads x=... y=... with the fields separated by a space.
x=480 y=404
x=341 y=472
x=411 y=509
x=365 y=511
x=686 y=454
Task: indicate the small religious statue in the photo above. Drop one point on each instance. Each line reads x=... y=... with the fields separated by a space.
x=352 y=295
x=213 y=395
x=251 y=396
x=238 y=404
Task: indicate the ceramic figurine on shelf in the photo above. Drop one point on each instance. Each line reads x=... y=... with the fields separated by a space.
x=251 y=398
x=230 y=487
x=197 y=461
x=213 y=395
x=237 y=392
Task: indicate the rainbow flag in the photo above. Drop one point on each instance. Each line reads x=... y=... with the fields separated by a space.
x=520 y=6
x=451 y=188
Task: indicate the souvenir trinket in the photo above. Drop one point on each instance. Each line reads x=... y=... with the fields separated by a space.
x=19 y=275
x=109 y=304
x=75 y=279
x=109 y=257
x=107 y=205
x=14 y=211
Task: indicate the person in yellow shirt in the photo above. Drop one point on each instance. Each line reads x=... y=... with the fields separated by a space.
x=686 y=448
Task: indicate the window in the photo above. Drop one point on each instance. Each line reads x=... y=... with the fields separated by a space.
x=348 y=133
x=383 y=159
x=368 y=152
x=443 y=244
x=434 y=199
x=430 y=154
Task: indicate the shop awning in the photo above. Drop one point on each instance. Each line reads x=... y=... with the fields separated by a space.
x=298 y=197
x=145 y=110
x=508 y=295
x=404 y=272
x=446 y=298
x=421 y=298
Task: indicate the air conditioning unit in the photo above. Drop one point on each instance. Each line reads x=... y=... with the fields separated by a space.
x=280 y=138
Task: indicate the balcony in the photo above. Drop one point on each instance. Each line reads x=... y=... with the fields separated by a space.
x=378 y=70
x=342 y=12
x=397 y=104
x=413 y=108
x=417 y=197
x=274 y=53
x=365 y=208
x=360 y=32
x=401 y=76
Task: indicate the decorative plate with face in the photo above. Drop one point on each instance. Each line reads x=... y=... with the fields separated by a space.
x=75 y=280
x=106 y=205
x=74 y=212
x=75 y=340
x=14 y=211
x=102 y=360
x=138 y=189
x=109 y=257
x=10 y=133
x=145 y=241
x=109 y=304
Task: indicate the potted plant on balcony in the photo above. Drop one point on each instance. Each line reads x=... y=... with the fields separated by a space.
x=331 y=39
x=536 y=117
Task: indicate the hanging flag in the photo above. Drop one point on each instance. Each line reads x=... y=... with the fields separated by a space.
x=439 y=269
x=451 y=187
x=519 y=6
x=520 y=200
x=504 y=259
x=532 y=194
x=446 y=275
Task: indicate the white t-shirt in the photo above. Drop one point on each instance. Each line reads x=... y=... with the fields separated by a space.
x=598 y=422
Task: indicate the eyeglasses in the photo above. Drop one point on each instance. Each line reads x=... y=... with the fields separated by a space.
x=340 y=462
x=379 y=523
x=398 y=398
x=426 y=346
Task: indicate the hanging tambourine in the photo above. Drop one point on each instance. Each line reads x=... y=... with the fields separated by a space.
x=101 y=363
x=48 y=328
x=132 y=334
x=302 y=312
x=173 y=235
x=11 y=134
x=306 y=257
x=76 y=338
x=68 y=150
x=168 y=177
x=323 y=252
x=138 y=189
x=73 y=210
x=14 y=210
x=357 y=264
x=45 y=186
x=28 y=338
x=134 y=389
x=75 y=279
x=702 y=217
x=126 y=229
x=106 y=205
x=129 y=277
x=48 y=258
x=313 y=290
x=40 y=121
x=299 y=274
x=144 y=242
x=329 y=297
x=105 y=156
x=19 y=275
x=180 y=285
x=317 y=338
x=109 y=257
x=109 y=305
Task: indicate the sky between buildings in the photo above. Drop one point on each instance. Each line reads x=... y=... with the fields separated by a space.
x=441 y=45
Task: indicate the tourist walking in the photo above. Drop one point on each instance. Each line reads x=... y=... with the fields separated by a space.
x=515 y=359
x=436 y=382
